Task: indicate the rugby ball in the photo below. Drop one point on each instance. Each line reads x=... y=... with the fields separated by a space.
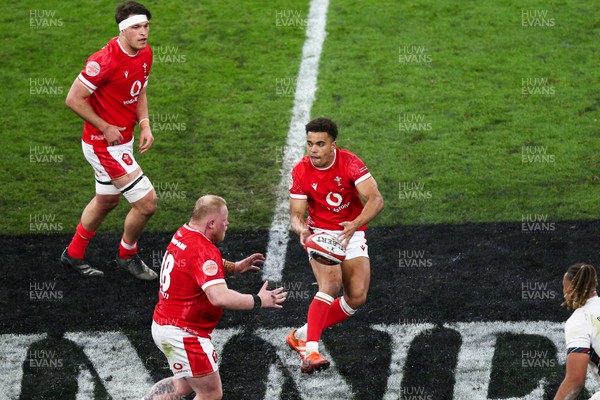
x=325 y=249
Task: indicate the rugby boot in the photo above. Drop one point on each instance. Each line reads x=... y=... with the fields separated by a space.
x=296 y=344
x=79 y=264
x=137 y=268
x=313 y=362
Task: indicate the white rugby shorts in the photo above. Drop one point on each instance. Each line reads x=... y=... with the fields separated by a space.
x=357 y=246
x=110 y=163
x=189 y=355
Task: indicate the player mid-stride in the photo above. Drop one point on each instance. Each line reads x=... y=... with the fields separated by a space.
x=330 y=182
x=110 y=96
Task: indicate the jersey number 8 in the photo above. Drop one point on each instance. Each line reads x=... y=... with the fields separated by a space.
x=165 y=272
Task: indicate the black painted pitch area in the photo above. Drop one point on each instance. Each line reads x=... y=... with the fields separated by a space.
x=422 y=274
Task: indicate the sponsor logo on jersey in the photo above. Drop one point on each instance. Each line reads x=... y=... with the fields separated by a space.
x=92 y=68
x=210 y=268
x=334 y=199
x=177 y=366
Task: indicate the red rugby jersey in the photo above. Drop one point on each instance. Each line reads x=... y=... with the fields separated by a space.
x=191 y=264
x=116 y=78
x=331 y=192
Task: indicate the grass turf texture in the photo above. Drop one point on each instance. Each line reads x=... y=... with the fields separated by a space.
x=212 y=90
x=220 y=122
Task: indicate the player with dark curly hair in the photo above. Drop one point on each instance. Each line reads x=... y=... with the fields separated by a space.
x=582 y=330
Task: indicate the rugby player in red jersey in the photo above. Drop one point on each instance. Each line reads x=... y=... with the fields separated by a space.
x=110 y=96
x=191 y=299
x=332 y=184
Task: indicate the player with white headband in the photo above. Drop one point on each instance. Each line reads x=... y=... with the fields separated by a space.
x=110 y=96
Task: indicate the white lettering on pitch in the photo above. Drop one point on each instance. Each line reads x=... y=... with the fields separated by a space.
x=220 y=337
x=85 y=384
x=13 y=351
x=123 y=374
x=474 y=363
x=402 y=336
x=274 y=382
x=118 y=365
x=328 y=385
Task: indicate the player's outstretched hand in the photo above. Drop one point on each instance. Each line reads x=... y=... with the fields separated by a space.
x=271 y=298
x=250 y=263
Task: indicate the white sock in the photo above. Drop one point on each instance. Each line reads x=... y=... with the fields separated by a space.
x=302 y=332
x=312 y=347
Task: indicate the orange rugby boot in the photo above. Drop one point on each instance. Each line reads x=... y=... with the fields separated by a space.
x=296 y=344
x=313 y=362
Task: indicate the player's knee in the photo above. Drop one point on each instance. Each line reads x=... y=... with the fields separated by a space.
x=107 y=203
x=332 y=288
x=149 y=206
x=357 y=301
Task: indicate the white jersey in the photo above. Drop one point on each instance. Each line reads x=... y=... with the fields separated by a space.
x=582 y=333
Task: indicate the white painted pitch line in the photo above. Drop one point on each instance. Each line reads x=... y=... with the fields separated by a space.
x=306 y=86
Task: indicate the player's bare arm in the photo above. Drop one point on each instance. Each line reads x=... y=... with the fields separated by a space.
x=76 y=101
x=146 y=137
x=221 y=296
x=574 y=378
x=373 y=205
x=298 y=222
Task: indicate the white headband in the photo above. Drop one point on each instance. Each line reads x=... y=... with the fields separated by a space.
x=134 y=19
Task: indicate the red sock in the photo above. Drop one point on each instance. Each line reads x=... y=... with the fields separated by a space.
x=127 y=250
x=338 y=312
x=317 y=314
x=80 y=241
